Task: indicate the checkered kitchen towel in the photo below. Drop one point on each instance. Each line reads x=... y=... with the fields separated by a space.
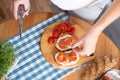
x=31 y=64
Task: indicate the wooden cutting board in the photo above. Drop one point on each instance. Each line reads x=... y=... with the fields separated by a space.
x=49 y=51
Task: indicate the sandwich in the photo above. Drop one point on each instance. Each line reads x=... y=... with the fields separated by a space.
x=67 y=58
x=65 y=42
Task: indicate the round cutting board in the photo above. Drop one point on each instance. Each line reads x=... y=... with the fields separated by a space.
x=49 y=50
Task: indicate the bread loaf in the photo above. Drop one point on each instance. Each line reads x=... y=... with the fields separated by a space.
x=98 y=67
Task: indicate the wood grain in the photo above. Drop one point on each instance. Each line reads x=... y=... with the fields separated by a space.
x=104 y=45
x=11 y=26
x=36 y=6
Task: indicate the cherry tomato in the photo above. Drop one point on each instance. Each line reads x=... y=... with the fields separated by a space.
x=74 y=39
x=51 y=40
x=61 y=57
x=105 y=78
x=56 y=33
x=72 y=56
x=58 y=29
x=63 y=27
x=72 y=30
x=68 y=41
x=68 y=24
x=62 y=43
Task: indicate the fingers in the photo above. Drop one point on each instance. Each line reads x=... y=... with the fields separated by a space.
x=78 y=48
x=27 y=4
x=83 y=51
x=79 y=51
x=77 y=44
x=86 y=52
x=27 y=10
x=15 y=6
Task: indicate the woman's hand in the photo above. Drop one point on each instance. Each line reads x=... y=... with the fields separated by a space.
x=88 y=41
x=87 y=44
x=16 y=4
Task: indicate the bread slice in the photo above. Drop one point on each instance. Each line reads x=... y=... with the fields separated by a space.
x=67 y=56
x=72 y=40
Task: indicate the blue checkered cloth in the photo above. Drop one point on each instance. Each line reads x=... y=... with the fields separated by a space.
x=31 y=64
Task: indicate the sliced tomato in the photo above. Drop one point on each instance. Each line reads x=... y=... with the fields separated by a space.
x=56 y=33
x=68 y=41
x=62 y=43
x=68 y=24
x=72 y=30
x=74 y=39
x=105 y=78
x=66 y=28
x=72 y=56
x=61 y=57
x=57 y=28
x=63 y=27
x=51 y=40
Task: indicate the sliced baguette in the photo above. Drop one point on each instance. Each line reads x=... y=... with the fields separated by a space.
x=67 y=62
x=64 y=37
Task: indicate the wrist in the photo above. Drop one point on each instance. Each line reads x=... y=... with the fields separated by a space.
x=94 y=31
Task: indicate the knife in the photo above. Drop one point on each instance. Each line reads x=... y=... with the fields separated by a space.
x=21 y=10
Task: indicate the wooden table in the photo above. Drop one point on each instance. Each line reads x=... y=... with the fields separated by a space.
x=104 y=45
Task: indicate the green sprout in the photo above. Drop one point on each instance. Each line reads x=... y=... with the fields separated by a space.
x=7 y=57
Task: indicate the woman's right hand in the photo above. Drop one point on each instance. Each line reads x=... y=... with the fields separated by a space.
x=16 y=4
x=87 y=44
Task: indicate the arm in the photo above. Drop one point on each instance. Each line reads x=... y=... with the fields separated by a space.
x=112 y=13
x=89 y=40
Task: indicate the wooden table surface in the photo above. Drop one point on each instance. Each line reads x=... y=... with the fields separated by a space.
x=104 y=44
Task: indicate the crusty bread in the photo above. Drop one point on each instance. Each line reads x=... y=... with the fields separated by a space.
x=57 y=42
x=98 y=67
x=67 y=63
x=68 y=40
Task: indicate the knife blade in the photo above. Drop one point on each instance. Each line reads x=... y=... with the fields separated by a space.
x=21 y=10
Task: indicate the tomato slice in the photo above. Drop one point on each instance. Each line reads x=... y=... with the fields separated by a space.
x=72 y=30
x=61 y=57
x=56 y=33
x=63 y=27
x=62 y=43
x=105 y=78
x=68 y=41
x=74 y=39
x=68 y=24
x=72 y=56
x=51 y=40
x=57 y=28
